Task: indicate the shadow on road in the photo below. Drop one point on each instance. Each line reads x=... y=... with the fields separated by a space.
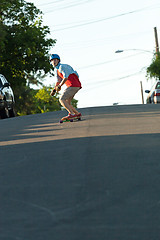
x=104 y=187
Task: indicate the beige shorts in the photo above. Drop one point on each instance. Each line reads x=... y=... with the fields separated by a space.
x=69 y=93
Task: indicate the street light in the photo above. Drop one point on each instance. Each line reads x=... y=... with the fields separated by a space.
x=134 y=49
x=141 y=50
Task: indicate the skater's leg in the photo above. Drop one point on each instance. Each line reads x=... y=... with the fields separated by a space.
x=66 y=105
x=71 y=106
x=66 y=99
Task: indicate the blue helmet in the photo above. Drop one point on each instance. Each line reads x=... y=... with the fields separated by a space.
x=55 y=56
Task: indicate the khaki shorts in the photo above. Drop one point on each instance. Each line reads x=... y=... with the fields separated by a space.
x=69 y=93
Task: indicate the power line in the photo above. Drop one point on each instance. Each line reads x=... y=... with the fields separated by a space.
x=57 y=1
x=110 y=81
x=104 y=19
x=72 y=4
x=120 y=78
x=44 y=4
x=101 y=41
x=109 y=61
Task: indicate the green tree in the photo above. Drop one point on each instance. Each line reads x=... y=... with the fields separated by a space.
x=153 y=71
x=24 y=47
x=74 y=102
x=37 y=101
x=25 y=100
x=44 y=102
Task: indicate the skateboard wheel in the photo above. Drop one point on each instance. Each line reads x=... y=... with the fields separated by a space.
x=61 y=121
x=71 y=120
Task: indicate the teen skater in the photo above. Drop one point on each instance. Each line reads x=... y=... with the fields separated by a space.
x=66 y=75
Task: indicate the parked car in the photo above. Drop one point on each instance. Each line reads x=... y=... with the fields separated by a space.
x=154 y=94
x=6 y=99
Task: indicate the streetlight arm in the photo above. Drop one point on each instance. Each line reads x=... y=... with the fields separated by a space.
x=119 y=51
x=134 y=49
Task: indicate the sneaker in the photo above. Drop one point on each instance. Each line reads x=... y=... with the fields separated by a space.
x=71 y=115
x=78 y=115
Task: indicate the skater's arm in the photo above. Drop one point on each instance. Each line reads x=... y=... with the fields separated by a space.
x=53 y=92
x=55 y=89
x=59 y=80
x=58 y=87
x=57 y=83
x=63 y=82
x=60 y=84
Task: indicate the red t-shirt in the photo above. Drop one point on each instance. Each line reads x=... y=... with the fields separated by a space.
x=73 y=80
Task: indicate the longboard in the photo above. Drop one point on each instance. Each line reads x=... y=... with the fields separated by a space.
x=70 y=120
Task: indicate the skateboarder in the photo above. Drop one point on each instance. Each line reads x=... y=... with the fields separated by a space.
x=66 y=75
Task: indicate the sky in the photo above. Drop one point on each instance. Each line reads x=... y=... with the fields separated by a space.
x=88 y=32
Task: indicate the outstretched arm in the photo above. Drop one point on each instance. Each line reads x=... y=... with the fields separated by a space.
x=63 y=82
x=58 y=87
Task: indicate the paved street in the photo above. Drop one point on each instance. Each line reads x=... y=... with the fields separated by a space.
x=95 y=179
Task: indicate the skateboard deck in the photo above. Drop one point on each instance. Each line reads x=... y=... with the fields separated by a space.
x=70 y=120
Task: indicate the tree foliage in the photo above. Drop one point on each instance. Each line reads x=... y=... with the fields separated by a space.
x=153 y=71
x=37 y=101
x=44 y=102
x=24 y=47
x=24 y=56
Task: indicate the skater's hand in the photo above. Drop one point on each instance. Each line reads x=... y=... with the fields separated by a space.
x=58 y=88
x=53 y=92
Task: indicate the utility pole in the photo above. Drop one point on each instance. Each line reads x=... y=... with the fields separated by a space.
x=156 y=40
x=142 y=92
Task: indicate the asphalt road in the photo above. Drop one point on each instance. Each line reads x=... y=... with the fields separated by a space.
x=96 y=179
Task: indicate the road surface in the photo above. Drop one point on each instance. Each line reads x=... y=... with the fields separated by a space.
x=96 y=179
